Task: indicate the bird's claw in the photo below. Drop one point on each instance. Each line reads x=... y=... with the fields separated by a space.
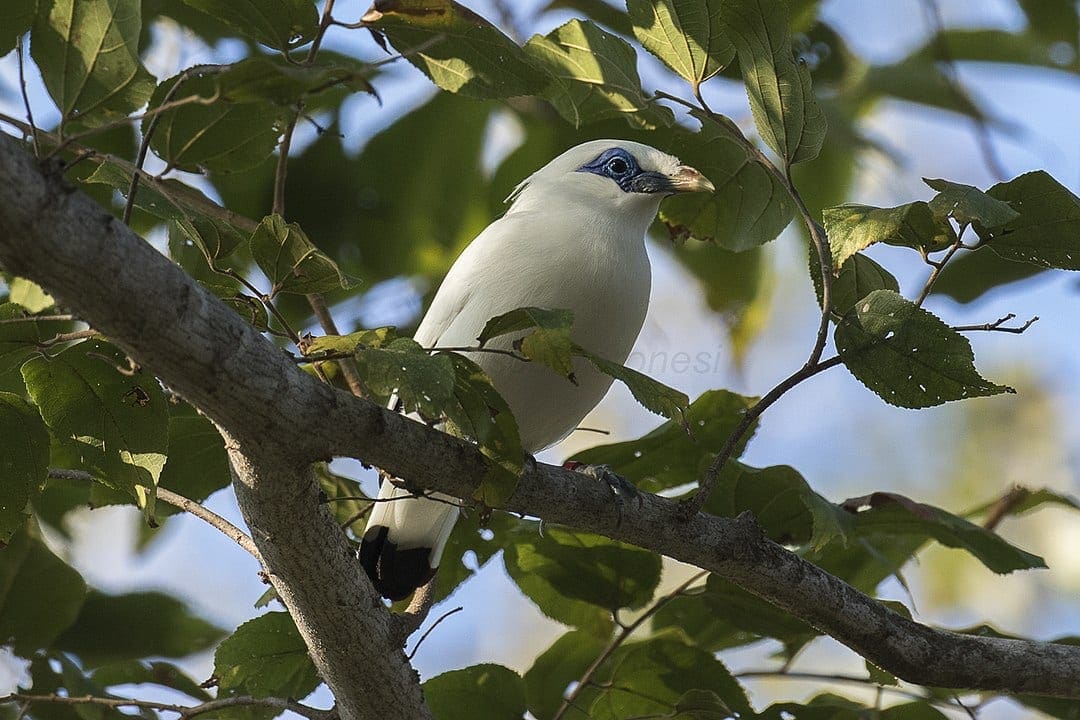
x=622 y=490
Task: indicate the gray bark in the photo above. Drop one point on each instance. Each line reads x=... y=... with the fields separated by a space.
x=278 y=420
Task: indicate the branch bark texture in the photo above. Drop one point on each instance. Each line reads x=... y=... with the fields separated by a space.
x=278 y=420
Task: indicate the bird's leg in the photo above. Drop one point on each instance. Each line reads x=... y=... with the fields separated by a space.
x=621 y=489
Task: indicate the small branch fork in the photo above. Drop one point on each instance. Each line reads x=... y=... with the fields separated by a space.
x=183 y=711
x=999 y=325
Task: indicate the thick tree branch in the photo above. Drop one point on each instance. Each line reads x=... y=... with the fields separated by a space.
x=279 y=420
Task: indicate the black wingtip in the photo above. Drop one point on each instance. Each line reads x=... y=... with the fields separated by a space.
x=395 y=573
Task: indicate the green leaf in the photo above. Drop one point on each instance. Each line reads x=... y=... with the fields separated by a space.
x=852 y=228
x=669 y=456
x=376 y=337
x=784 y=504
x=262 y=78
x=723 y=616
x=210 y=132
x=890 y=514
x=1021 y=500
x=141 y=672
x=879 y=676
x=906 y=355
x=16 y=18
x=24 y=464
x=480 y=414
x=280 y=24
x=653 y=395
x=423 y=383
x=185 y=206
x=197 y=465
x=28 y=294
x=266 y=657
x=115 y=628
x=749 y=208
x=578 y=578
x=686 y=36
x=88 y=53
x=594 y=76
x=1047 y=233
x=459 y=50
x=478 y=692
x=781 y=99
x=660 y=671
x=971 y=275
x=473 y=538
x=858 y=277
x=547 y=681
x=701 y=705
x=969 y=206
x=291 y=261
x=40 y=594
x=119 y=422
x=549 y=342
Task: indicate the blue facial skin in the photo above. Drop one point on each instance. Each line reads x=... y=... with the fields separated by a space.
x=620 y=166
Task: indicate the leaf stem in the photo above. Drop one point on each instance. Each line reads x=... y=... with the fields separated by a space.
x=26 y=97
x=184 y=711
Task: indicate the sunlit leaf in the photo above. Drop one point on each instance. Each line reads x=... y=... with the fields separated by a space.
x=459 y=50
x=852 y=228
x=29 y=295
x=548 y=342
x=969 y=205
x=686 y=35
x=118 y=421
x=781 y=99
x=593 y=76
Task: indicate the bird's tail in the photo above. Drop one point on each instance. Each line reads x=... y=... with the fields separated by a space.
x=404 y=539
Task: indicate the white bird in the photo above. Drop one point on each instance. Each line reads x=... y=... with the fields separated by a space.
x=573 y=238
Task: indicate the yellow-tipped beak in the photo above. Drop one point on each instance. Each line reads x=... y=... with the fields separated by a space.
x=687 y=179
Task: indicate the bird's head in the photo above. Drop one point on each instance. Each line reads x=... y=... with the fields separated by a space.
x=612 y=173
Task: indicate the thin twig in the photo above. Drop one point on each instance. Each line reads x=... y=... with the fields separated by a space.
x=850 y=679
x=1004 y=506
x=179 y=501
x=346 y=364
x=283 y=167
x=37 y=318
x=813 y=364
x=618 y=640
x=432 y=628
x=68 y=337
x=26 y=97
x=184 y=711
x=998 y=325
x=938 y=265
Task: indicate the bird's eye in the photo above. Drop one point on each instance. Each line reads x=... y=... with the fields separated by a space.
x=618 y=165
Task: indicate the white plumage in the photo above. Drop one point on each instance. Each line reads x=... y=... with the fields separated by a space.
x=573 y=238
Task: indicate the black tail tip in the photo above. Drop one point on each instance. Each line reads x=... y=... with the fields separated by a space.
x=396 y=574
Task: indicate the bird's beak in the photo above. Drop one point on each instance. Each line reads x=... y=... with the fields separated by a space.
x=687 y=179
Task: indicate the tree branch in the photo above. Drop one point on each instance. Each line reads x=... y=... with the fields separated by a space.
x=278 y=420
x=185 y=711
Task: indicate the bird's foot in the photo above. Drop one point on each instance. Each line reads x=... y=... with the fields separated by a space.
x=622 y=490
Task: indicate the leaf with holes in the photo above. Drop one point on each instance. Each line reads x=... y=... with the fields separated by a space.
x=423 y=383
x=594 y=76
x=1047 y=233
x=375 y=337
x=908 y=356
x=781 y=99
x=858 y=277
x=291 y=261
x=970 y=206
x=548 y=341
x=117 y=420
x=686 y=35
x=459 y=50
x=852 y=228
